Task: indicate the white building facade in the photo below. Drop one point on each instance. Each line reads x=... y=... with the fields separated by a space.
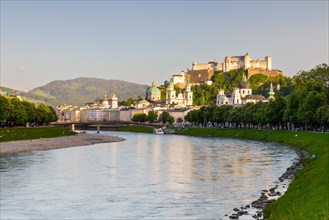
x=182 y=99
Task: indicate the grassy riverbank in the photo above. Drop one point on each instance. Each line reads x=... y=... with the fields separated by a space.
x=143 y=129
x=307 y=196
x=22 y=133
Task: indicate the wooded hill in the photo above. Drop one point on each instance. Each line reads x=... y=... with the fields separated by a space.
x=82 y=90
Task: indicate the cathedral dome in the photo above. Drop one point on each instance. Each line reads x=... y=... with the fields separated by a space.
x=244 y=84
x=153 y=90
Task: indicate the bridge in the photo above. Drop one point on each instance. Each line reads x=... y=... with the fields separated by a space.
x=98 y=125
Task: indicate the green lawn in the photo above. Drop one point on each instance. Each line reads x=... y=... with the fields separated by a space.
x=308 y=195
x=143 y=129
x=22 y=133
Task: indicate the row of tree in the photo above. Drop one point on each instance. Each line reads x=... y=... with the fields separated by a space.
x=16 y=112
x=307 y=106
x=152 y=116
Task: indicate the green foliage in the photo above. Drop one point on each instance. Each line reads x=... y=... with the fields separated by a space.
x=303 y=107
x=14 y=111
x=142 y=129
x=322 y=115
x=15 y=134
x=45 y=114
x=128 y=102
x=165 y=117
x=139 y=117
x=31 y=111
x=152 y=116
x=17 y=111
x=257 y=80
x=4 y=108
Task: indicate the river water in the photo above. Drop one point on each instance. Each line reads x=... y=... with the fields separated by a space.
x=145 y=177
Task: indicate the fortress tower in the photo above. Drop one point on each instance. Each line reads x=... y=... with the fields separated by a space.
x=268 y=60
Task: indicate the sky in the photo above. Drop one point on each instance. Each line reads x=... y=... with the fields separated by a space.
x=145 y=41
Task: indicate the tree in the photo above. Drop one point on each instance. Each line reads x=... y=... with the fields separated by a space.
x=30 y=111
x=4 y=109
x=274 y=111
x=17 y=111
x=128 y=102
x=290 y=114
x=166 y=118
x=139 y=117
x=45 y=114
x=152 y=116
x=322 y=115
x=307 y=110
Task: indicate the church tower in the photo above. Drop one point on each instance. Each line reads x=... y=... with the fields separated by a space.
x=114 y=100
x=245 y=87
x=188 y=94
x=236 y=97
x=170 y=93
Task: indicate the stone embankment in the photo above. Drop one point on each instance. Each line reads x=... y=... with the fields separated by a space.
x=82 y=139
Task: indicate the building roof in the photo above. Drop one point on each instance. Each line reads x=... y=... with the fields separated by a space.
x=143 y=102
x=255 y=97
x=244 y=84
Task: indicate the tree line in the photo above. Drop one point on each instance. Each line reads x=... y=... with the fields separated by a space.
x=306 y=107
x=15 y=112
x=152 y=116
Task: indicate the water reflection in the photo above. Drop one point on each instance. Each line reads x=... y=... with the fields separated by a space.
x=147 y=176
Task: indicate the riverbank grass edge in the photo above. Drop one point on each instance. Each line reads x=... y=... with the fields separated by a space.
x=136 y=128
x=308 y=195
x=23 y=133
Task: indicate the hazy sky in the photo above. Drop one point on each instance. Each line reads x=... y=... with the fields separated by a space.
x=142 y=41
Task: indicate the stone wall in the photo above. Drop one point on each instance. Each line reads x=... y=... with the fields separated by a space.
x=199 y=76
x=269 y=73
x=258 y=64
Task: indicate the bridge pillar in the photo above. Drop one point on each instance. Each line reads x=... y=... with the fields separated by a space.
x=98 y=128
x=73 y=127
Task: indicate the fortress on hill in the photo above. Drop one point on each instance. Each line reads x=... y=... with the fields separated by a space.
x=202 y=72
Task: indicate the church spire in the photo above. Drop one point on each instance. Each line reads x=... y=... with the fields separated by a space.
x=244 y=78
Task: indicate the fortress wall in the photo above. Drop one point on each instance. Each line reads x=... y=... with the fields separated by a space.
x=258 y=64
x=199 y=76
x=200 y=66
x=268 y=73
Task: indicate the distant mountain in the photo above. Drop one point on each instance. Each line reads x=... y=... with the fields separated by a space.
x=82 y=90
x=9 y=90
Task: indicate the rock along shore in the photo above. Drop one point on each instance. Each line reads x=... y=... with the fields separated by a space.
x=56 y=143
x=268 y=196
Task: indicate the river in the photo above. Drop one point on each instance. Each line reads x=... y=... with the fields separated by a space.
x=145 y=177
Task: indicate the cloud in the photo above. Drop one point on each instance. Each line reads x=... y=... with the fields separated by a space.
x=20 y=69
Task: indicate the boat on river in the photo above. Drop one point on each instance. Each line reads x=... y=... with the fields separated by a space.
x=158 y=131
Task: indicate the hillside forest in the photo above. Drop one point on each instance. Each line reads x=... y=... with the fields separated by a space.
x=301 y=102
